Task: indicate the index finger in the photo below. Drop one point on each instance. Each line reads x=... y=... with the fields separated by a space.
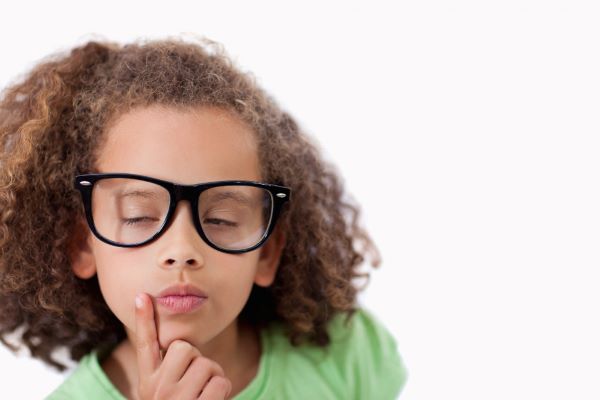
x=146 y=339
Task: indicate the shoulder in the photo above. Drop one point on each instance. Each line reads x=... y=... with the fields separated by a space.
x=367 y=355
x=361 y=362
x=87 y=381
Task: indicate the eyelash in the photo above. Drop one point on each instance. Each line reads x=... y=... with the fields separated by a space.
x=226 y=223
x=137 y=220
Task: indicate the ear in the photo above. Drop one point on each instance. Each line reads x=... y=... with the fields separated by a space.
x=81 y=256
x=268 y=262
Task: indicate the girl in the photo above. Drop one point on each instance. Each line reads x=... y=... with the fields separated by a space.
x=165 y=221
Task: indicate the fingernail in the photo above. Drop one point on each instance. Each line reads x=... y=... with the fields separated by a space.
x=139 y=302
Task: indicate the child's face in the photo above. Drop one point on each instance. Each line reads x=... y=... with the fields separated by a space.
x=187 y=147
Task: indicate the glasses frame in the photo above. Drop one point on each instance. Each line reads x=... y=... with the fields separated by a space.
x=84 y=183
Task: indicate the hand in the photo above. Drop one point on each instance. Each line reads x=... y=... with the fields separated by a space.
x=183 y=373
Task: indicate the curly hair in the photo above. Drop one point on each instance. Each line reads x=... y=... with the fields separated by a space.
x=51 y=124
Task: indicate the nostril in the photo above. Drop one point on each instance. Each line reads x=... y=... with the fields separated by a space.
x=190 y=262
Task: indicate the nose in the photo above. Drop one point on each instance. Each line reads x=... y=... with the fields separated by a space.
x=180 y=244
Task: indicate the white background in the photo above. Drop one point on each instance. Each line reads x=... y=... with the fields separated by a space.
x=467 y=130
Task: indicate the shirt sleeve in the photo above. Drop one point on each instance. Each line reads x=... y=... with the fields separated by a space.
x=367 y=354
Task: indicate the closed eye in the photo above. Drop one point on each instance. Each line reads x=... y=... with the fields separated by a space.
x=220 y=222
x=138 y=220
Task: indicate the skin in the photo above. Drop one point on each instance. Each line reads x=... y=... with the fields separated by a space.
x=206 y=350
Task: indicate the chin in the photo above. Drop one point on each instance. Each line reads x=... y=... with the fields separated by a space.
x=170 y=331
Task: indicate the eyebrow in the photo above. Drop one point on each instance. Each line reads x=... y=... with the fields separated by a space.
x=231 y=195
x=138 y=192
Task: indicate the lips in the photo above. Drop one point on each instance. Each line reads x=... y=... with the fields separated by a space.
x=181 y=298
x=182 y=290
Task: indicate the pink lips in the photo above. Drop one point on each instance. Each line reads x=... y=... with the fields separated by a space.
x=181 y=298
x=180 y=304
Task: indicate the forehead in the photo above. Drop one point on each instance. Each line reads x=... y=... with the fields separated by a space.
x=181 y=145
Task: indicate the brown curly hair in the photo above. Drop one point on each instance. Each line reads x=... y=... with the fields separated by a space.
x=51 y=125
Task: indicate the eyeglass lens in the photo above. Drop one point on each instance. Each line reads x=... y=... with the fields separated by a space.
x=130 y=211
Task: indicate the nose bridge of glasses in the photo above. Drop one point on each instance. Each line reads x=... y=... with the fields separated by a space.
x=183 y=192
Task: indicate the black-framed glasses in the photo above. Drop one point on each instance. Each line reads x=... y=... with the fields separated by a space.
x=128 y=210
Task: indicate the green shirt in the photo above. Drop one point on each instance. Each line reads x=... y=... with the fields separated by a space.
x=362 y=362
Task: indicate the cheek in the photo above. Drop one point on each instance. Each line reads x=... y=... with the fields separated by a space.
x=231 y=287
x=119 y=284
x=235 y=277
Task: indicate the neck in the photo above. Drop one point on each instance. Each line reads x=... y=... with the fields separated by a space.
x=237 y=350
